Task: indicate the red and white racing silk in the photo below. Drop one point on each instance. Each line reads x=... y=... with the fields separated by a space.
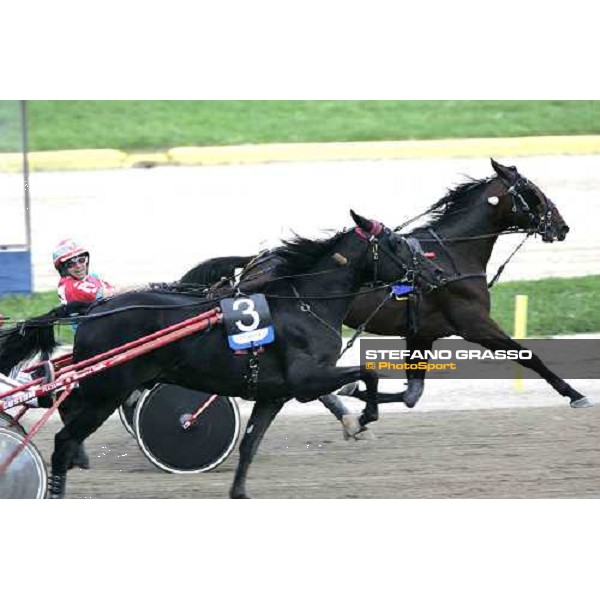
x=88 y=289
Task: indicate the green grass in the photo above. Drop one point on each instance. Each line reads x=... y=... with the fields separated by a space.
x=27 y=306
x=157 y=125
x=556 y=306
x=21 y=307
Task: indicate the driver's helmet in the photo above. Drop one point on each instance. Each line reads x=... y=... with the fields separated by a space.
x=66 y=250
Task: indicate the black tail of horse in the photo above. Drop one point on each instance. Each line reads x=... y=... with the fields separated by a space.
x=35 y=335
x=211 y=271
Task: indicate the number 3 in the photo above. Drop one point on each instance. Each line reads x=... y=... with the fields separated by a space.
x=249 y=311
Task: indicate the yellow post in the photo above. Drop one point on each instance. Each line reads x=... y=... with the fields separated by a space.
x=521 y=302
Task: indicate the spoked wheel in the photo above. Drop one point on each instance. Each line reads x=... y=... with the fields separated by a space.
x=160 y=424
x=26 y=477
x=127 y=410
x=7 y=421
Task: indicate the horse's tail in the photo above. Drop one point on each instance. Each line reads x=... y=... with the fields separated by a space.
x=211 y=271
x=35 y=335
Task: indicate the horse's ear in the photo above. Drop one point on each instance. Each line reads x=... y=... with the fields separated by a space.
x=364 y=224
x=509 y=174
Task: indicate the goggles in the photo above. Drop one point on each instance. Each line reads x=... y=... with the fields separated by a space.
x=77 y=260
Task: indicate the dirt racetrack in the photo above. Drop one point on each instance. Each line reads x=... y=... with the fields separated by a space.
x=548 y=452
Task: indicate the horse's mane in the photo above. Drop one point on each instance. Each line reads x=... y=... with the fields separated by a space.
x=293 y=257
x=453 y=203
x=212 y=270
x=299 y=254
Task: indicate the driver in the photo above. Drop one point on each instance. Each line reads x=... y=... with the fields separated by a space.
x=72 y=262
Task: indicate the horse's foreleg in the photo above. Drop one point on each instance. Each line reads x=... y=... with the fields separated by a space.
x=490 y=336
x=262 y=416
x=334 y=405
x=308 y=381
x=350 y=422
x=415 y=377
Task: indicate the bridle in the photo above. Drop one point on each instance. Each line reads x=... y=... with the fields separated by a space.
x=545 y=215
x=371 y=237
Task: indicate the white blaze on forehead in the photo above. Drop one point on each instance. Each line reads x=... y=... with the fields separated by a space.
x=493 y=200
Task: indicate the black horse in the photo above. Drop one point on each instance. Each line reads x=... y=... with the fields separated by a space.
x=309 y=294
x=463 y=228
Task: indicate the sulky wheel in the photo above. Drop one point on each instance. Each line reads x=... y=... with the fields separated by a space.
x=160 y=419
x=7 y=421
x=127 y=410
x=26 y=476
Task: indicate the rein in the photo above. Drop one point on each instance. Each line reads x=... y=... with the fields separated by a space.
x=500 y=270
x=361 y=328
x=80 y=318
x=483 y=236
x=460 y=276
x=370 y=290
x=305 y=307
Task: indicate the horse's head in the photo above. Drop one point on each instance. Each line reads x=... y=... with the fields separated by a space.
x=389 y=257
x=526 y=207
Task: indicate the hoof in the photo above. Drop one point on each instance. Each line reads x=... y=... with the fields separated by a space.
x=351 y=426
x=582 y=403
x=238 y=495
x=348 y=390
x=354 y=430
x=365 y=434
x=81 y=459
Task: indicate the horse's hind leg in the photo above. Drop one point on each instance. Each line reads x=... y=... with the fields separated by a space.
x=68 y=410
x=69 y=438
x=262 y=416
